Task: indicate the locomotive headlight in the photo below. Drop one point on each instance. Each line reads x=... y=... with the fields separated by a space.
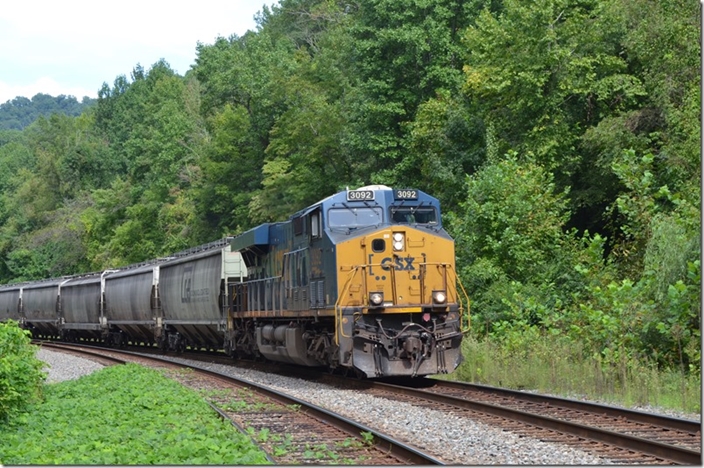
x=439 y=297
x=398 y=241
x=376 y=298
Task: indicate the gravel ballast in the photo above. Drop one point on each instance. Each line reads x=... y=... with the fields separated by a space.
x=62 y=366
x=459 y=440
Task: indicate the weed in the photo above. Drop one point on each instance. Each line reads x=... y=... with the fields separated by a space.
x=560 y=368
x=368 y=437
x=124 y=415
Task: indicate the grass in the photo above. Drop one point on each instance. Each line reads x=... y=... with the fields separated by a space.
x=558 y=368
x=123 y=415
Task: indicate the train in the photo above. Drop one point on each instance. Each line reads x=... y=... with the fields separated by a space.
x=363 y=282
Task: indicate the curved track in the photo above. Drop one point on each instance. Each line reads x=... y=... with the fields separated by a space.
x=622 y=435
x=617 y=434
x=290 y=430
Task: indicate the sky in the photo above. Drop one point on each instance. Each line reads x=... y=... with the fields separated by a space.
x=72 y=47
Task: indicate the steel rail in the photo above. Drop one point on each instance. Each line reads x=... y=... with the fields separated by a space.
x=72 y=349
x=679 y=424
x=668 y=452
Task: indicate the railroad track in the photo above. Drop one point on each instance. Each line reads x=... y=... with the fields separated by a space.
x=618 y=434
x=621 y=435
x=615 y=434
x=291 y=431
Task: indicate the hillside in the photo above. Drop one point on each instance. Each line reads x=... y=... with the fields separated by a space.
x=18 y=113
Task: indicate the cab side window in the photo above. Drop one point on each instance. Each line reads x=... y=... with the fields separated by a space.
x=315 y=225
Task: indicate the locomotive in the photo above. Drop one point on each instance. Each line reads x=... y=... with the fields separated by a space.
x=363 y=281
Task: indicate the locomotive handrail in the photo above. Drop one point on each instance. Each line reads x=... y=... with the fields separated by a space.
x=462 y=311
x=338 y=306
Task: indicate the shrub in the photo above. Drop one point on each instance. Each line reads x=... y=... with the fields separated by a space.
x=21 y=375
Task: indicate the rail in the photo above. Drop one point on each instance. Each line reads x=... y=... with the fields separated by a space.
x=620 y=432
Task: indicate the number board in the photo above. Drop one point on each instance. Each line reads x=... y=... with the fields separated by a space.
x=405 y=194
x=360 y=195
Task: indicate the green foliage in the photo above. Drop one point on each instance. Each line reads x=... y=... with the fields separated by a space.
x=445 y=140
x=514 y=217
x=305 y=159
x=678 y=323
x=20 y=112
x=556 y=364
x=510 y=237
x=21 y=375
x=154 y=128
x=124 y=415
x=542 y=72
x=611 y=322
x=231 y=171
x=404 y=53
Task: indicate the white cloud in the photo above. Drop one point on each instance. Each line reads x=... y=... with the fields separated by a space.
x=72 y=46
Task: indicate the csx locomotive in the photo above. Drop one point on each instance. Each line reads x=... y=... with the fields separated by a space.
x=362 y=281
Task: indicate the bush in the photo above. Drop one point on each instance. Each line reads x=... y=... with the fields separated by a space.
x=21 y=375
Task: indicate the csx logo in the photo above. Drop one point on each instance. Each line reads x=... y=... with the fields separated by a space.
x=398 y=263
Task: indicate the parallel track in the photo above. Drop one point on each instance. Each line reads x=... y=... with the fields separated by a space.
x=316 y=432
x=619 y=434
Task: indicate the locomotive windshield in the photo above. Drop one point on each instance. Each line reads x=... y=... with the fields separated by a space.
x=354 y=217
x=414 y=215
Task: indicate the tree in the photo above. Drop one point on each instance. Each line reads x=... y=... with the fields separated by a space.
x=154 y=129
x=404 y=53
x=20 y=112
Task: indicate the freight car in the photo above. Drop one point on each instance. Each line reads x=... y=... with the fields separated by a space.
x=361 y=281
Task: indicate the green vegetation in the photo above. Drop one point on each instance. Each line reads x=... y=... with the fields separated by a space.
x=21 y=376
x=559 y=367
x=564 y=146
x=20 y=112
x=123 y=415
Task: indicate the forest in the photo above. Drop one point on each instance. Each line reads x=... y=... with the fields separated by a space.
x=18 y=113
x=562 y=138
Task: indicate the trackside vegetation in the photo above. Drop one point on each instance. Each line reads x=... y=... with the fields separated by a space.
x=123 y=415
x=556 y=366
x=21 y=375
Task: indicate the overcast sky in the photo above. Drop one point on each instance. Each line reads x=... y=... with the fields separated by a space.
x=72 y=46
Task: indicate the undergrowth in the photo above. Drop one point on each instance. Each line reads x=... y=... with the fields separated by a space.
x=555 y=367
x=21 y=376
x=123 y=415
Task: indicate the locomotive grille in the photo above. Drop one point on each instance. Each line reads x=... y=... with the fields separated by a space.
x=316 y=294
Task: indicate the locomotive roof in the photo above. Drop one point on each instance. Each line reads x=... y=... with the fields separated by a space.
x=383 y=195
x=369 y=195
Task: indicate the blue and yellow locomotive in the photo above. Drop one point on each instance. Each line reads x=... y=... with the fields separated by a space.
x=364 y=279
